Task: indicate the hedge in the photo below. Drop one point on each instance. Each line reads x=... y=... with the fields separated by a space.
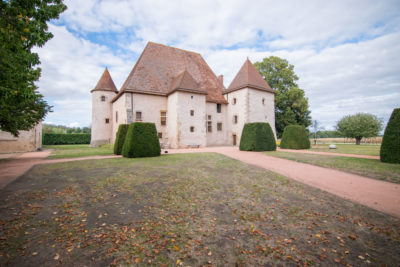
x=257 y=136
x=390 y=148
x=120 y=139
x=65 y=139
x=295 y=137
x=141 y=141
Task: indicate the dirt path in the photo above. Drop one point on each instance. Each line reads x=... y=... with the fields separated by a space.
x=13 y=166
x=329 y=153
x=379 y=195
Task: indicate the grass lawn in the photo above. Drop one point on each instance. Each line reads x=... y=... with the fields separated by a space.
x=184 y=209
x=372 y=168
x=371 y=150
x=74 y=151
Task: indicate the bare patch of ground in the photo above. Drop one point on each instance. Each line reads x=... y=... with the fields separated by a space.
x=191 y=209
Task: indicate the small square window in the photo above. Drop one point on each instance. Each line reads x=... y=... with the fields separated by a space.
x=107 y=120
x=218 y=108
x=263 y=101
x=235 y=119
x=159 y=135
x=192 y=112
x=191 y=97
x=209 y=117
x=234 y=101
x=191 y=129
x=219 y=126
x=138 y=116
x=103 y=98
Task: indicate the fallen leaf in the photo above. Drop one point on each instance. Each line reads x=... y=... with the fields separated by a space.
x=176 y=248
x=361 y=257
x=35 y=253
x=352 y=237
x=56 y=257
x=137 y=260
x=209 y=253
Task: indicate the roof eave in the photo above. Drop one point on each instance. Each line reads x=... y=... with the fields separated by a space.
x=269 y=90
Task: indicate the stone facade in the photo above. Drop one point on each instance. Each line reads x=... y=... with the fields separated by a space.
x=25 y=142
x=176 y=90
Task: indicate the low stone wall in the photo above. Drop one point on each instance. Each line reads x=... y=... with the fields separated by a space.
x=25 y=142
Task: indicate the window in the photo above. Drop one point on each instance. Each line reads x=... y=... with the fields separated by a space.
x=218 y=108
x=192 y=112
x=235 y=119
x=209 y=124
x=159 y=135
x=219 y=126
x=103 y=98
x=191 y=129
x=234 y=101
x=263 y=101
x=138 y=116
x=116 y=116
x=107 y=120
x=191 y=97
x=163 y=115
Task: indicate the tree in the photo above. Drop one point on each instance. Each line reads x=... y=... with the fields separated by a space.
x=359 y=125
x=291 y=105
x=23 y=26
x=390 y=148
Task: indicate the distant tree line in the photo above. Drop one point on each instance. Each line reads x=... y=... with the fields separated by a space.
x=326 y=134
x=61 y=129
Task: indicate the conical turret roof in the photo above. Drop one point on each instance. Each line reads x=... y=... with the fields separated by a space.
x=105 y=83
x=248 y=76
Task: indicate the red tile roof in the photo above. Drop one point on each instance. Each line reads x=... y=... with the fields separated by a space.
x=161 y=69
x=248 y=76
x=105 y=83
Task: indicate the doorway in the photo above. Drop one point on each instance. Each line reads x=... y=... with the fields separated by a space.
x=234 y=139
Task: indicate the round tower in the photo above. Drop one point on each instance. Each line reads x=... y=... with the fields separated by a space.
x=102 y=121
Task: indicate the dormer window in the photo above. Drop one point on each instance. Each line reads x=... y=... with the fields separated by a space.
x=103 y=98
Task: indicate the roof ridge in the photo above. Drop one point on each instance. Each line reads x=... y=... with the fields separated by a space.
x=185 y=50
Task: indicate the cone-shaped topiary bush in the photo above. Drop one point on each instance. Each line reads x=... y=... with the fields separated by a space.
x=257 y=136
x=120 y=139
x=390 y=148
x=295 y=137
x=141 y=141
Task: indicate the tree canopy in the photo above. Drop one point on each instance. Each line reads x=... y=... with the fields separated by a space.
x=291 y=105
x=23 y=26
x=359 y=125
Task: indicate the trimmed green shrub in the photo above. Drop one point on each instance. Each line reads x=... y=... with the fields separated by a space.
x=295 y=137
x=65 y=139
x=120 y=139
x=141 y=141
x=390 y=148
x=257 y=136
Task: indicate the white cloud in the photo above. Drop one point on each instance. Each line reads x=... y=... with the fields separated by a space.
x=345 y=53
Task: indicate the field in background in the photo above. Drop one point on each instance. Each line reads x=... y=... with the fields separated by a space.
x=340 y=140
x=363 y=149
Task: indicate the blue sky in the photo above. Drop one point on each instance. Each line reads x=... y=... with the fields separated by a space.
x=346 y=53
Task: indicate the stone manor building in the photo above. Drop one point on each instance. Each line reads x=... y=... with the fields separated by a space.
x=189 y=104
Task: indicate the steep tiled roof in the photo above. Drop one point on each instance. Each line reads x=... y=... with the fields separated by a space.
x=105 y=83
x=248 y=76
x=160 y=67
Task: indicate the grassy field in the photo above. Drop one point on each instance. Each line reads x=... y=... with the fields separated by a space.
x=74 y=151
x=371 y=150
x=372 y=168
x=189 y=210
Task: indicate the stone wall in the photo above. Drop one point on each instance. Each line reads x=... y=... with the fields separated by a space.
x=216 y=137
x=27 y=140
x=101 y=110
